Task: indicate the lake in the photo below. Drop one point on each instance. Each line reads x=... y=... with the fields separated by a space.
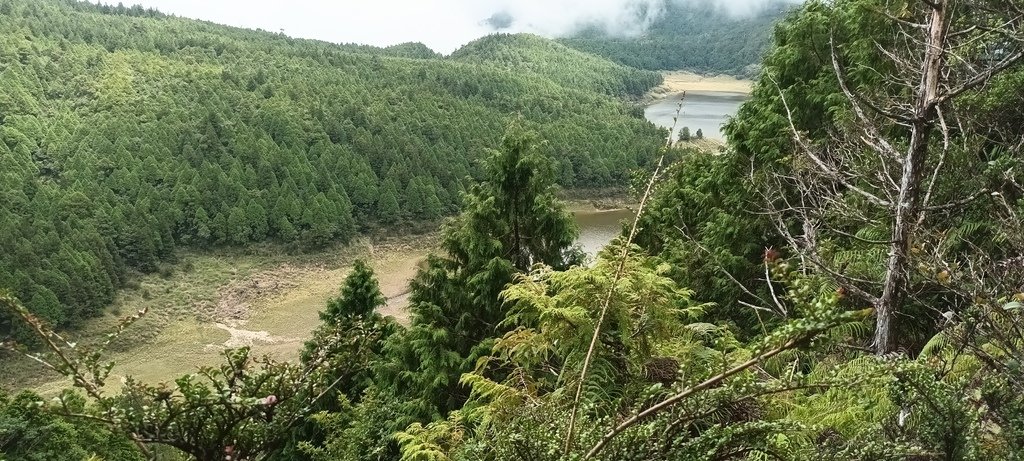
x=704 y=110
x=598 y=227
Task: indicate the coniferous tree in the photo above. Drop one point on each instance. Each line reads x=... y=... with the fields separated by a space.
x=350 y=340
x=511 y=221
x=387 y=206
x=257 y=220
x=161 y=154
x=238 y=230
x=359 y=296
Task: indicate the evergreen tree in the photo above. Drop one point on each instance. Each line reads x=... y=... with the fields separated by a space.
x=359 y=296
x=317 y=226
x=511 y=221
x=387 y=205
x=238 y=231
x=163 y=154
x=285 y=230
x=414 y=204
x=257 y=220
x=352 y=317
x=684 y=134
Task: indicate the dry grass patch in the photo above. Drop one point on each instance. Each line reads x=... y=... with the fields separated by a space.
x=259 y=297
x=676 y=82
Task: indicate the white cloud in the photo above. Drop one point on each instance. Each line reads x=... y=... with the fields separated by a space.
x=443 y=25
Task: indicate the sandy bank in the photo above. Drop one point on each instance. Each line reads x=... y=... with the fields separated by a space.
x=679 y=81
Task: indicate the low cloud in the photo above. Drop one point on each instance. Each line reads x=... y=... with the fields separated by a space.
x=443 y=25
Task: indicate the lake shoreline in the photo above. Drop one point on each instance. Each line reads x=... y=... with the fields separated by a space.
x=702 y=114
x=678 y=81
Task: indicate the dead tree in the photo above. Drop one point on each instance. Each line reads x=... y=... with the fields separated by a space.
x=883 y=164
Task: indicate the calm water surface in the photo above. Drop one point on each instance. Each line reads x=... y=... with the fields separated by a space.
x=597 y=228
x=706 y=110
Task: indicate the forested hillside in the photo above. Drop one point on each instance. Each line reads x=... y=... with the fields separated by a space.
x=699 y=36
x=563 y=65
x=127 y=133
x=843 y=281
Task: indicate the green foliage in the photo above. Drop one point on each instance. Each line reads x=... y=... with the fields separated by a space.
x=729 y=397
x=126 y=133
x=244 y=408
x=700 y=222
x=510 y=222
x=346 y=346
x=684 y=134
x=360 y=295
x=359 y=433
x=561 y=64
x=852 y=235
x=31 y=430
x=762 y=357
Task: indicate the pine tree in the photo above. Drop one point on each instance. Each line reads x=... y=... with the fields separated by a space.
x=387 y=206
x=238 y=231
x=359 y=296
x=510 y=222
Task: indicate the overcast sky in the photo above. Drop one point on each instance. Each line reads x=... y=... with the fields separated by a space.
x=443 y=25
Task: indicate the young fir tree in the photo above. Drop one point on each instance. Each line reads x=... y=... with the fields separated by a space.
x=349 y=340
x=360 y=296
x=510 y=222
x=388 y=210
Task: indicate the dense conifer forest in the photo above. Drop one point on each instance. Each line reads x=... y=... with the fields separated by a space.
x=843 y=280
x=127 y=134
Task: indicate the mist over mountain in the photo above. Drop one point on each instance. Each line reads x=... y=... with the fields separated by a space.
x=701 y=36
x=443 y=25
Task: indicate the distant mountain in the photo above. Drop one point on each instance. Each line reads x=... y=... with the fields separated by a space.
x=697 y=36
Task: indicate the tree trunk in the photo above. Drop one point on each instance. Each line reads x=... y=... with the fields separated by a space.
x=908 y=206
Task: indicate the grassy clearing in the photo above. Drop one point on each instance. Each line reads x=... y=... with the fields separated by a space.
x=259 y=297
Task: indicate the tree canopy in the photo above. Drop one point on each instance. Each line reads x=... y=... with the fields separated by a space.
x=125 y=134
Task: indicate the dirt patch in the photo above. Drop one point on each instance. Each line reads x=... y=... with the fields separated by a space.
x=240 y=337
x=234 y=301
x=397 y=307
x=679 y=81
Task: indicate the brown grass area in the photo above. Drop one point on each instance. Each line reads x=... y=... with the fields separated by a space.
x=679 y=81
x=707 y=145
x=259 y=298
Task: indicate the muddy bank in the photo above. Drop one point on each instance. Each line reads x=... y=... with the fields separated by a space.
x=676 y=82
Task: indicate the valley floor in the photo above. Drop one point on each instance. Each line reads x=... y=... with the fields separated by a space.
x=258 y=296
x=230 y=298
